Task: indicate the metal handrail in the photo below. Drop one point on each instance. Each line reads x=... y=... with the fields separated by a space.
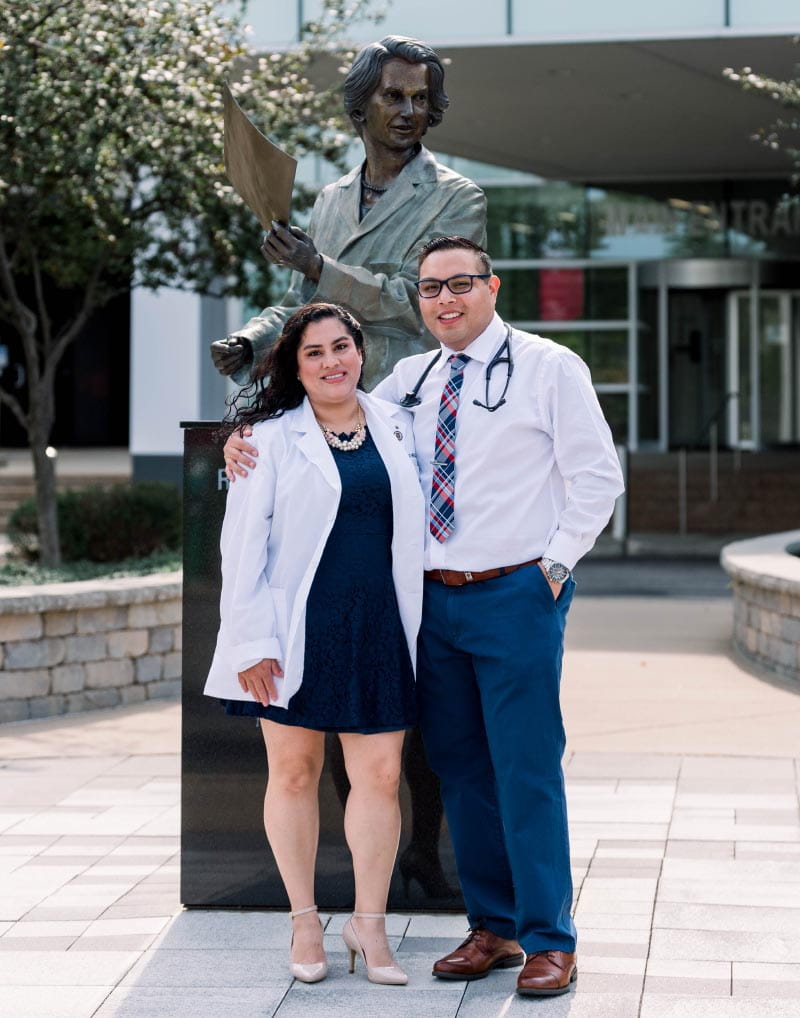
x=714 y=418
x=712 y=428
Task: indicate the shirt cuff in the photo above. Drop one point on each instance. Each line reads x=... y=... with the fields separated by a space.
x=334 y=283
x=565 y=549
x=245 y=655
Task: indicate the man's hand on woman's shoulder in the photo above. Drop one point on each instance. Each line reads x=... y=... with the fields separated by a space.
x=239 y=454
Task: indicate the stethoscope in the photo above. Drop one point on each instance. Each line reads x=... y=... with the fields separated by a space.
x=502 y=356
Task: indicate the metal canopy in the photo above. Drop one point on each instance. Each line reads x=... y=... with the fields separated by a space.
x=614 y=111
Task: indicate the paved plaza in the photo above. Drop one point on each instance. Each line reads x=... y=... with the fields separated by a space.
x=683 y=793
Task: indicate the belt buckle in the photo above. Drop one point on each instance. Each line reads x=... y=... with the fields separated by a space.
x=468 y=576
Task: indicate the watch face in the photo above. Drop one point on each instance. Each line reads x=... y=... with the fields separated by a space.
x=557 y=572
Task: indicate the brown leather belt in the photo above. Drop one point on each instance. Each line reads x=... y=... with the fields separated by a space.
x=457 y=578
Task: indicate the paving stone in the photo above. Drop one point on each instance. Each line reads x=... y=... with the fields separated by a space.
x=481 y=1002
x=32 y=930
x=32 y=968
x=730 y=892
x=213 y=968
x=732 y=918
x=37 y=944
x=188 y=1002
x=664 y=1006
x=53 y=1001
x=705 y=970
x=725 y=946
x=683 y=985
x=700 y=849
x=195 y=930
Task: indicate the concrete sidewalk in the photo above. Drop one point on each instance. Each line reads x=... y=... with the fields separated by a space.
x=683 y=790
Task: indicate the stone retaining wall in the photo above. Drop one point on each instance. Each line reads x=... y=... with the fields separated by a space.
x=766 y=598
x=97 y=643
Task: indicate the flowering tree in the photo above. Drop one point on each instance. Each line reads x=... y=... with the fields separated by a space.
x=784 y=131
x=111 y=168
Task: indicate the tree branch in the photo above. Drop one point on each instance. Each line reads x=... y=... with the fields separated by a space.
x=70 y=331
x=25 y=319
x=41 y=304
x=14 y=405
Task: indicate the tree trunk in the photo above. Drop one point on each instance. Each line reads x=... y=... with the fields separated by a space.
x=44 y=470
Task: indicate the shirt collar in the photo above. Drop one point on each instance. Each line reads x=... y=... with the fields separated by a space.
x=482 y=347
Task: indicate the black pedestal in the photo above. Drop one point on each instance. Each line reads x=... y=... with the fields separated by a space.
x=225 y=858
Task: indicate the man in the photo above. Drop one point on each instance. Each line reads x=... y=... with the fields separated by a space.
x=367 y=229
x=521 y=475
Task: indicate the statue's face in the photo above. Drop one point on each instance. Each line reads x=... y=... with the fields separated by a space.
x=396 y=115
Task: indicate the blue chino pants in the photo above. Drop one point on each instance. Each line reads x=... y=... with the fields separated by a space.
x=488 y=677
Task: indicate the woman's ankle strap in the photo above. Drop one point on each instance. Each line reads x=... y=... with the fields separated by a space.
x=304 y=911
x=369 y=915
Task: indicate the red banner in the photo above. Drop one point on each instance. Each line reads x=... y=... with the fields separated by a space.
x=560 y=294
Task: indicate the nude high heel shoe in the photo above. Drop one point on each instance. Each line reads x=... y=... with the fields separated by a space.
x=314 y=971
x=387 y=975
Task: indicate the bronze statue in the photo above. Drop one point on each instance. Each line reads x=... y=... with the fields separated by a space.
x=367 y=228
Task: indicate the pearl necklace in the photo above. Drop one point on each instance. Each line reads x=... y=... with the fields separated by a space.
x=358 y=438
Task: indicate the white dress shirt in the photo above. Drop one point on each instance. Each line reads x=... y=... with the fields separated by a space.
x=538 y=476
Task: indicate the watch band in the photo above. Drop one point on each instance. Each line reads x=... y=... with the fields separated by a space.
x=556 y=572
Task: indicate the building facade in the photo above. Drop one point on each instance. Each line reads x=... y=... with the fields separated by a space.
x=631 y=215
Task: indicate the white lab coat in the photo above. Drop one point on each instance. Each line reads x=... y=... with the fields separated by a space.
x=277 y=523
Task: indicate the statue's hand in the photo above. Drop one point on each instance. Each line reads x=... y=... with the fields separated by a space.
x=230 y=354
x=289 y=246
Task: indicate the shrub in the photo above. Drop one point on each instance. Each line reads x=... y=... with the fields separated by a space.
x=106 y=524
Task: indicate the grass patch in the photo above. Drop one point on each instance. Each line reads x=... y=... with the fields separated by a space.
x=13 y=574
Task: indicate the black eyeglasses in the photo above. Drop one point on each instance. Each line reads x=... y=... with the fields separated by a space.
x=462 y=283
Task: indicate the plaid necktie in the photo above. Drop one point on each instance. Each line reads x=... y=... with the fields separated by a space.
x=443 y=482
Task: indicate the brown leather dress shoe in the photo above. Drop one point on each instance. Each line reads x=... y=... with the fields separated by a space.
x=481 y=952
x=547 y=974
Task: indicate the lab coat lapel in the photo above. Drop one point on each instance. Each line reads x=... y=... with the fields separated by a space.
x=312 y=444
x=419 y=173
x=349 y=205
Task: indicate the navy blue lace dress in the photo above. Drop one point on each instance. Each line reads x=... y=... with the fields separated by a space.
x=357 y=675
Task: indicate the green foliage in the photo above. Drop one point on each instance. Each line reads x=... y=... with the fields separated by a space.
x=111 y=139
x=14 y=574
x=784 y=132
x=106 y=524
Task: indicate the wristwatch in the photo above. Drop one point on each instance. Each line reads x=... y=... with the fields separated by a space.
x=556 y=572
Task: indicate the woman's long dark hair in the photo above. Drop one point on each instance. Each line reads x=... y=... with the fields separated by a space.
x=275 y=387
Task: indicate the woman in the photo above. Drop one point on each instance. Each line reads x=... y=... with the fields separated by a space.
x=321 y=602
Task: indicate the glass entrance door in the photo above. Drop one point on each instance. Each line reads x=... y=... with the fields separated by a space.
x=764 y=368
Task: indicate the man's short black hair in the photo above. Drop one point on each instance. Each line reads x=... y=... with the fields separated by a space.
x=455 y=244
x=365 y=75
